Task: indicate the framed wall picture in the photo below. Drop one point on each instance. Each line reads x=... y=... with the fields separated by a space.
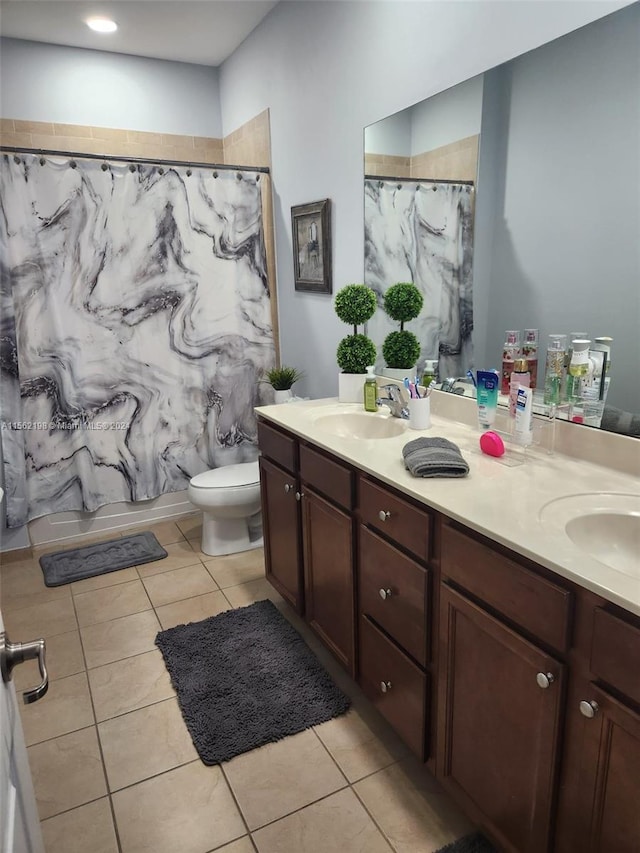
x=311 y=230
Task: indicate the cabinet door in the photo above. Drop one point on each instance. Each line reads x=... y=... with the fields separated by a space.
x=611 y=769
x=281 y=526
x=329 y=576
x=499 y=708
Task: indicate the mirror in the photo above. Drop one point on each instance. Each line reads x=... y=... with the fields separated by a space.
x=555 y=207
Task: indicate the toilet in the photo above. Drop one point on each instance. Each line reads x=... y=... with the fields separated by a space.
x=228 y=497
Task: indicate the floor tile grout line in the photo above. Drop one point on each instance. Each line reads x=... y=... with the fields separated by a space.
x=370 y=813
x=235 y=799
x=99 y=741
x=302 y=808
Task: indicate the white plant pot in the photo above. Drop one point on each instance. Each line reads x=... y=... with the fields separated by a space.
x=282 y=396
x=399 y=373
x=351 y=387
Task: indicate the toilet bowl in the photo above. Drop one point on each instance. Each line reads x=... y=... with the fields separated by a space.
x=227 y=497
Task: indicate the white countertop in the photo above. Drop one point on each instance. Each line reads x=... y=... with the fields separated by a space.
x=500 y=502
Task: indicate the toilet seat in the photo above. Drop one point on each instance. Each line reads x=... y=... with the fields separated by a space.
x=230 y=476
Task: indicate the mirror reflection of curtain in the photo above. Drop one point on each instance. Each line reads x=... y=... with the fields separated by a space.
x=422 y=232
x=131 y=295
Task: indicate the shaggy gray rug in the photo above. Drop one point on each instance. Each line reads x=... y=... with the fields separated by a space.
x=101 y=558
x=245 y=678
x=475 y=843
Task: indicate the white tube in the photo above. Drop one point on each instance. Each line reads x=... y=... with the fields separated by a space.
x=522 y=433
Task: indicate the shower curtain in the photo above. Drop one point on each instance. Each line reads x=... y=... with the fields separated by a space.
x=422 y=232
x=135 y=325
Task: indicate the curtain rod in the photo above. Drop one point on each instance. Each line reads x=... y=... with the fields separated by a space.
x=418 y=180
x=120 y=159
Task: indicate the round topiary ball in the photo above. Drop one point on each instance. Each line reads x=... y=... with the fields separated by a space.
x=401 y=350
x=403 y=302
x=355 y=353
x=355 y=304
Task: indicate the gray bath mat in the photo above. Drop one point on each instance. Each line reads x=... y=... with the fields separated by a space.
x=475 y=843
x=101 y=558
x=245 y=678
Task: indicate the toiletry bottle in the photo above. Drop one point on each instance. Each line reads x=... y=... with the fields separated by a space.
x=530 y=352
x=579 y=368
x=522 y=433
x=603 y=344
x=430 y=372
x=556 y=351
x=567 y=393
x=510 y=351
x=520 y=376
x=370 y=391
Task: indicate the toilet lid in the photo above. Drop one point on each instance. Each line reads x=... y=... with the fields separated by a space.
x=245 y=474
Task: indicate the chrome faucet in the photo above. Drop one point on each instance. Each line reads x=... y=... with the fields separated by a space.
x=456 y=384
x=395 y=400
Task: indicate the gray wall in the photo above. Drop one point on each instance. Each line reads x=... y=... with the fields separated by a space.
x=327 y=70
x=391 y=136
x=564 y=254
x=70 y=85
x=447 y=117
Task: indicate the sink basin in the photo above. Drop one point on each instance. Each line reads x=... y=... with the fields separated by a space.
x=604 y=526
x=361 y=425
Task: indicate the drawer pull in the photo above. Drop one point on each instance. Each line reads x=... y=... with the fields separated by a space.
x=383 y=515
x=385 y=686
x=299 y=496
x=287 y=488
x=589 y=709
x=384 y=594
x=545 y=679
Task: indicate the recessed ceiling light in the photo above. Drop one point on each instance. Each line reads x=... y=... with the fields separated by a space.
x=102 y=25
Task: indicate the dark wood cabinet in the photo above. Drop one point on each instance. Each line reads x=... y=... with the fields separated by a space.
x=281 y=525
x=500 y=711
x=609 y=773
x=519 y=689
x=328 y=575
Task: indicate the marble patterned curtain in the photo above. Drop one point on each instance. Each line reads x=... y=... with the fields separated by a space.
x=422 y=232
x=135 y=325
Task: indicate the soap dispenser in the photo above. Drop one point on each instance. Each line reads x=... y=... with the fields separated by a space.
x=370 y=391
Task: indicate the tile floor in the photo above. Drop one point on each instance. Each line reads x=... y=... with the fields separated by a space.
x=114 y=768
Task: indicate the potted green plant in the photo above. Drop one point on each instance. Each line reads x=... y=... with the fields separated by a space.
x=401 y=349
x=281 y=379
x=354 y=304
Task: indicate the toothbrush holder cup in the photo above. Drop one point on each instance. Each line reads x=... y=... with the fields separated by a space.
x=420 y=413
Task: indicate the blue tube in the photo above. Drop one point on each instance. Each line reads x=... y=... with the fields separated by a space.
x=487 y=396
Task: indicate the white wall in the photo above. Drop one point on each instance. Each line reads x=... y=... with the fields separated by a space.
x=391 y=136
x=326 y=70
x=447 y=117
x=70 y=85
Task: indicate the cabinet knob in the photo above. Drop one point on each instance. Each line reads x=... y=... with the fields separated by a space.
x=545 y=679
x=299 y=496
x=287 y=488
x=383 y=515
x=385 y=686
x=384 y=594
x=589 y=708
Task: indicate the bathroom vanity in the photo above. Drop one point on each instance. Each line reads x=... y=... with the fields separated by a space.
x=506 y=659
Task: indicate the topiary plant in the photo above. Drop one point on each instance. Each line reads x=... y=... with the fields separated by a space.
x=355 y=304
x=402 y=302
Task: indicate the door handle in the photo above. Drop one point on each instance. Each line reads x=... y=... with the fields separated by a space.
x=11 y=654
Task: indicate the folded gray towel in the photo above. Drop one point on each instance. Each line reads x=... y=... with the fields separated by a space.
x=434 y=457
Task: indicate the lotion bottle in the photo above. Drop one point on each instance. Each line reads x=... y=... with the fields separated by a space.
x=520 y=376
x=370 y=391
x=556 y=352
x=530 y=352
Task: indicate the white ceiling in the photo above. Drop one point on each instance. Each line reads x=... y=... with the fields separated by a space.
x=204 y=32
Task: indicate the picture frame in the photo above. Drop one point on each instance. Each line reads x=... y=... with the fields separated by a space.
x=311 y=233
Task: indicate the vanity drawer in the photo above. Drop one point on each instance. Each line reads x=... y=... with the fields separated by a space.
x=278 y=446
x=395 y=685
x=396 y=518
x=615 y=653
x=393 y=591
x=529 y=600
x=327 y=476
